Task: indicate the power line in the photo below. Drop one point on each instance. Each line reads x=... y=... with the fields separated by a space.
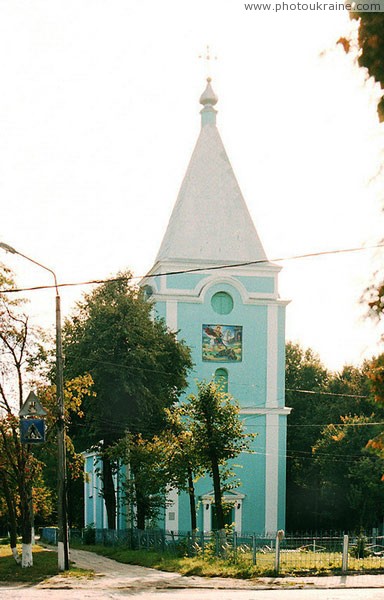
x=291 y=454
x=326 y=393
x=195 y=270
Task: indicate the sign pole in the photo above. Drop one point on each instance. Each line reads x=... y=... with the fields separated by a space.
x=62 y=538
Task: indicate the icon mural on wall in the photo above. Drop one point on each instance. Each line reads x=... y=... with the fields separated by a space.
x=222 y=343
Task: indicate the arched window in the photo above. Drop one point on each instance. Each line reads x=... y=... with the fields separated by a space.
x=147 y=291
x=221 y=379
x=222 y=303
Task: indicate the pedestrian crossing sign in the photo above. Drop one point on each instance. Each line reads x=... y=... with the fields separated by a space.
x=32 y=431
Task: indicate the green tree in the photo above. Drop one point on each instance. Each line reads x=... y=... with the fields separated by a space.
x=75 y=392
x=23 y=467
x=181 y=455
x=137 y=366
x=352 y=490
x=18 y=346
x=145 y=481
x=371 y=46
x=319 y=398
x=306 y=381
x=213 y=418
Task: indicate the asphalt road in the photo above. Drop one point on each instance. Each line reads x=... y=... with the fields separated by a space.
x=35 y=593
x=111 y=579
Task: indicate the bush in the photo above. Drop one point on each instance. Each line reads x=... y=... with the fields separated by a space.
x=89 y=535
x=360 y=549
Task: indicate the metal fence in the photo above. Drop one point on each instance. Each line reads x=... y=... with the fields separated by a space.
x=270 y=555
x=300 y=553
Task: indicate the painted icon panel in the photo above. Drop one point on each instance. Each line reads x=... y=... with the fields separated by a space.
x=222 y=343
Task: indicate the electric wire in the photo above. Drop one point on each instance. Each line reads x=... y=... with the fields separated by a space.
x=195 y=269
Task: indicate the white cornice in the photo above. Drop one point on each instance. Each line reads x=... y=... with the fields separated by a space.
x=284 y=410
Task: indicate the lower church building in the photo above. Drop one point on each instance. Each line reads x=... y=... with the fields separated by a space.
x=213 y=284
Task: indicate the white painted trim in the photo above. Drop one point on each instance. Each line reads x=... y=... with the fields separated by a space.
x=284 y=410
x=16 y=556
x=206 y=284
x=171 y=314
x=96 y=485
x=235 y=498
x=164 y=267
x=60 y=556
x=272 y=351
x=189 y=296
x=163 y=282
x=238 y=515
x=207 y=516
x=209 y=497
x=86 y=483
x=271 y=472
x=172 y=507
x=117 y=499
x=104 y=515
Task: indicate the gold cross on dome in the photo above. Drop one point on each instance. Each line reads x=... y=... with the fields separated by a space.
x=207 y=56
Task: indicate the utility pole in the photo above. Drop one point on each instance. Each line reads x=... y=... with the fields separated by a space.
x=62 y=538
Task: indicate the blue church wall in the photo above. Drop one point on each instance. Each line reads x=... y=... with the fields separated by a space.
x=94 y=506
x=253 y=476
x=263 y=285
x=161 y=310
x=247 y=379
x=184 y=281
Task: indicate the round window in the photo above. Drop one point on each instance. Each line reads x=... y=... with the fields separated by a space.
x=222 y=303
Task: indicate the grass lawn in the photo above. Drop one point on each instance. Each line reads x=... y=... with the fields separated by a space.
x=306 y=563
x=44 y=566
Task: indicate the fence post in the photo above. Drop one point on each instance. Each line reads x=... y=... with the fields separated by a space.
x=344 y=564
x=235 y=546
x=279 y=537
x=254 y=549
x=277 y=555
x=173 y=541
x=202 y=543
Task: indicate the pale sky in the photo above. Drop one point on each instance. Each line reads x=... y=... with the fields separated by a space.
x=99 y=115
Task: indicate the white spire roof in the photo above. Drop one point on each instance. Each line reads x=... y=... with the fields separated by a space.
x=210 y=222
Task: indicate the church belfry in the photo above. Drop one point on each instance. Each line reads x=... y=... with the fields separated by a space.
x=212 y=282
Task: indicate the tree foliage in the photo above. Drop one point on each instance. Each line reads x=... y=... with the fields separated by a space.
x=371 y=45
x=19 y=467
x=183 y=462
x=137 y=365
x=322 y=402
x=145 y=480
x=218 y=435
x=26 y=490
x=350 y=474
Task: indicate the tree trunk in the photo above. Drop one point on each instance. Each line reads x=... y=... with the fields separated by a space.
x=109 y=493
x=141 y=511
x=192 y=500
x=140 y=515
x=217 y=492
x=141 y=506
x=26 y=524
x=12 y=520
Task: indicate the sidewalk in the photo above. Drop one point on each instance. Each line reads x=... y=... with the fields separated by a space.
x=109 y=574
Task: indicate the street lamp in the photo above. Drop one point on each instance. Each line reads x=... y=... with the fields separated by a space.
x=62 y=539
